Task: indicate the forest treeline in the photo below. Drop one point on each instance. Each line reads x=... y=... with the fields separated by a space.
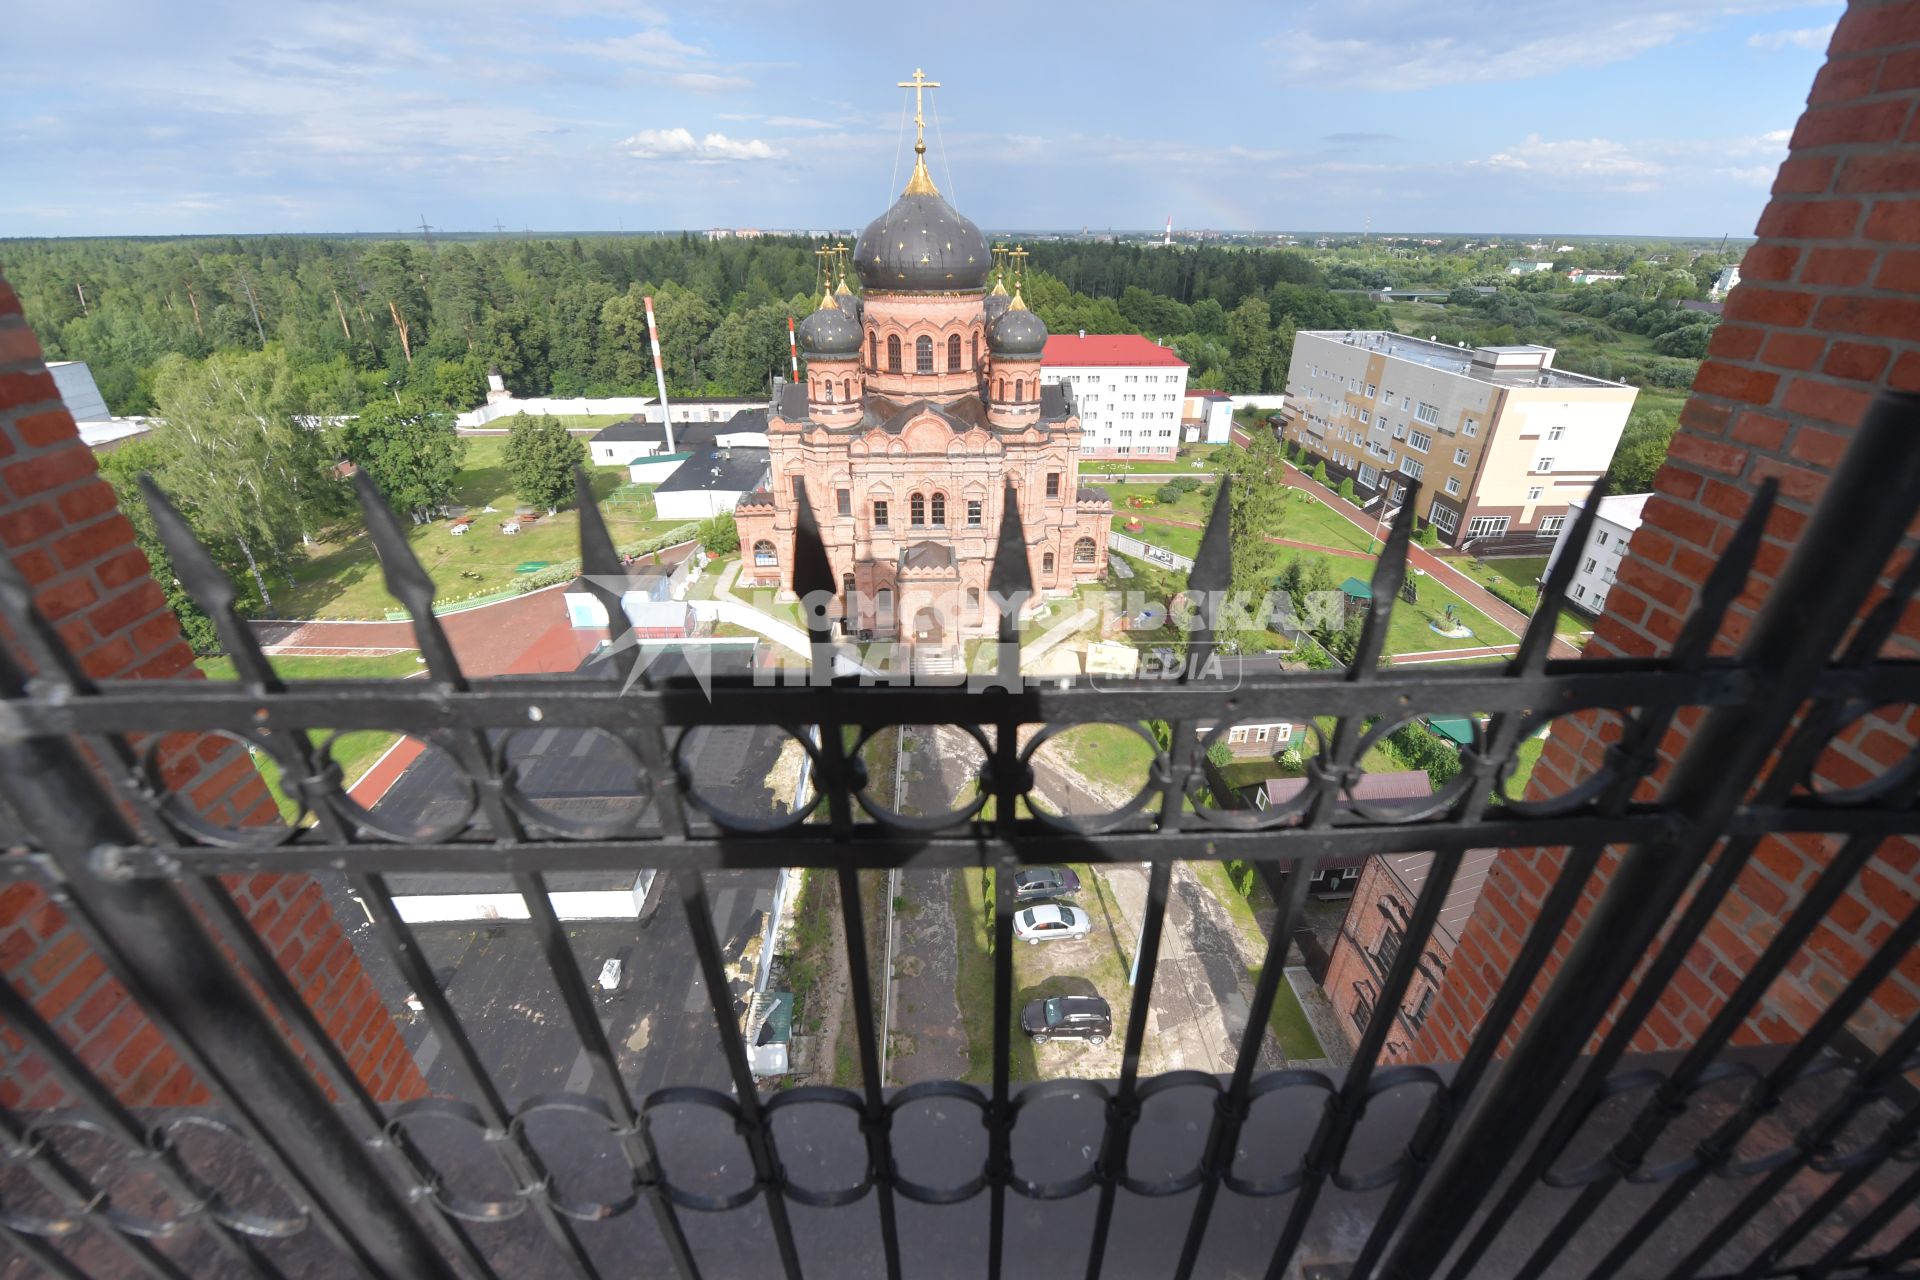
x=363 y=319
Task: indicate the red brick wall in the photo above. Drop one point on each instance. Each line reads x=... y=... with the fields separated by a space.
x=1827 y=312
x=62 y=529
x=1359 y=937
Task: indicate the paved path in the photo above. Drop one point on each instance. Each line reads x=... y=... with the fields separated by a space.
x=528 y=633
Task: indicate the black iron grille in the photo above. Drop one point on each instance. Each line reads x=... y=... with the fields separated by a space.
x=1484 y=1166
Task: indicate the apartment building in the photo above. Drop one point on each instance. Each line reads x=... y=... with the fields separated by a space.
x=1129 y=392
x=1500 y=440
x=1613 y=526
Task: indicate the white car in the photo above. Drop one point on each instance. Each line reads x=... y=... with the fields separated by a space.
x=1051 y=922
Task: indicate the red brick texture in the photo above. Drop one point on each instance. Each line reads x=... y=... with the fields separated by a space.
x=62 y=529
x=1352 y=982
x=1828 y=313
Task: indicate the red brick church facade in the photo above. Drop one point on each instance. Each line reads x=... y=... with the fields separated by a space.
x=921 y=405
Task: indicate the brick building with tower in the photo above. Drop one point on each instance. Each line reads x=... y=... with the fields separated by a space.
x=921 y=406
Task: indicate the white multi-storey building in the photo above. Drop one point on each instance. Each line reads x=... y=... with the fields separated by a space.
x=1613 y=527
x=1128 y=390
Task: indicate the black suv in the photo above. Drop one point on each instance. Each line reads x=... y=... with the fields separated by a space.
x=1086 y=1018
x=1033 y=883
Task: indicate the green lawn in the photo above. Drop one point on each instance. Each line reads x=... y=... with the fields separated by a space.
x=340 y=577
x=1521 y=571
x=356 y=751
x=1192 y=457
x=291 y=667
x=1111 y=755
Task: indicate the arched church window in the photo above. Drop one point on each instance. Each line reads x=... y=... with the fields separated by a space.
x=828 y=383
x=1001 y=393
x=1019 y=390
x=917 y=509
x=763 y=555
x=846 y=388
x=846 y=591
x=873 y=349
x=893 y=352
x=923 y=354
x=940 y=508
x=953 y=354
x=1046 y=563
x=973 y=601
x=883 y=606
x=976 y=351
x=1083 y=551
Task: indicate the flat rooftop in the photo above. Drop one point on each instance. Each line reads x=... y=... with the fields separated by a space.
x=1517 y=366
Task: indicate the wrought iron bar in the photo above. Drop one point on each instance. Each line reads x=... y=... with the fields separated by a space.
x=1839 y=557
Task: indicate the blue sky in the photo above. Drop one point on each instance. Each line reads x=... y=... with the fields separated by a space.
x=1644 y=117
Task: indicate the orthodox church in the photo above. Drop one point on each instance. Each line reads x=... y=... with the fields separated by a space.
x=921 y=403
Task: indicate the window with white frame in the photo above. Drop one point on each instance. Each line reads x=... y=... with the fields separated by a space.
x=1365 y=417
x=1533 y=494
x=1600 y=537
x=1370 y=391
x=1419 y=440
x=1399 y=431
x=1592 y=562
x=1579 y=592
x=1453 y=485
x=1237 y=735
x=1459 y=457
x=1409 y=467
x=1427 y=413
x=1471 y=428
x=1554 y=433
x=1545 y=464
x=1486 y=526
x=1260 y=734
x=1446 y=519
x=1551 y=524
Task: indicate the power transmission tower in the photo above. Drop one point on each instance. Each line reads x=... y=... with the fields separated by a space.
x=498 y=229
x=426 y=232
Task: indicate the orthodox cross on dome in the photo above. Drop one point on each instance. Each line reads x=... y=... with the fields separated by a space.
x=921 y=183
x=1019 y=255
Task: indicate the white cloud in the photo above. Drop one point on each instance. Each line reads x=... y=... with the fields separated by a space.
x=1387 y=45
x=680 y=144
x=1606 y=165
x=1814 y=38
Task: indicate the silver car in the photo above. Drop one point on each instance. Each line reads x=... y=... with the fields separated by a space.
x=1051 y=922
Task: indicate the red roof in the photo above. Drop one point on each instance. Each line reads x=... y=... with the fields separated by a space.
x=1128 y=349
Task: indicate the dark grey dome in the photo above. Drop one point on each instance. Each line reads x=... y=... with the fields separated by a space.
x=830 y=333
x=996 y=306
x=921 y=245
x=1017 y=333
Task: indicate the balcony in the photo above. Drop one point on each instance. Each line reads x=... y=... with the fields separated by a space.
x=1549 y=1145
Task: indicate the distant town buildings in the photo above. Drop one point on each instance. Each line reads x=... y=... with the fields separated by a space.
x=1613 y=526
x=1581 y=276
x=1129 y=391
x=1723 y=283
x=1501 y=441
x=1524 y=267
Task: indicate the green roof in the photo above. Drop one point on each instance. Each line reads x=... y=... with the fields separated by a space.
x=1455 y=729
x=659 y=457
x=1357 y=589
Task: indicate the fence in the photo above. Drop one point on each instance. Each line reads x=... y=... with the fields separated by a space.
x=1532 y=1151
x=1139 y=550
